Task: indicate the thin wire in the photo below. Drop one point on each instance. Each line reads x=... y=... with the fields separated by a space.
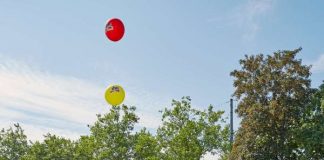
x=220 y=105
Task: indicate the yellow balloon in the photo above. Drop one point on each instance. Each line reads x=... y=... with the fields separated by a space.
x=115 y=95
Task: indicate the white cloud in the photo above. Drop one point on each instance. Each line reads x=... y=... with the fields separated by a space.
x=246 y=17
x=43 y=102
x=318 y=65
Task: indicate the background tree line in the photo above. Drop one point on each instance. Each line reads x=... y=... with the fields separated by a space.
x=185 y=133
x=282 y=118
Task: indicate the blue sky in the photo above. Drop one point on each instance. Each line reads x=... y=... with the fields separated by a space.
x=55 y=61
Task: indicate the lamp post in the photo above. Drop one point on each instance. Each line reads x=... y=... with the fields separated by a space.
x=231 y=125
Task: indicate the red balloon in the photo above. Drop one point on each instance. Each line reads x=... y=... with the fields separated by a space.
x=115 y=29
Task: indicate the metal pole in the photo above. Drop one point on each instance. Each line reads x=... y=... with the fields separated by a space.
x=231 y=117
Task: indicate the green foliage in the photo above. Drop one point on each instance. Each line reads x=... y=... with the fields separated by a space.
x=310 y=135
x=112 y=133
x=13 y=143
x=187 y=133
x=85 y=148
x=53 y=147
x=146 y=146
x=273 y=93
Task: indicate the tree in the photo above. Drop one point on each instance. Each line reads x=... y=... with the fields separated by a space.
x=273 y=92
x=13 y=143
x=146 y=146
x=112 y=137
x=310 y=134
x=53 y=147
x=112 y=133
x=85 y=148
x=187 y=133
